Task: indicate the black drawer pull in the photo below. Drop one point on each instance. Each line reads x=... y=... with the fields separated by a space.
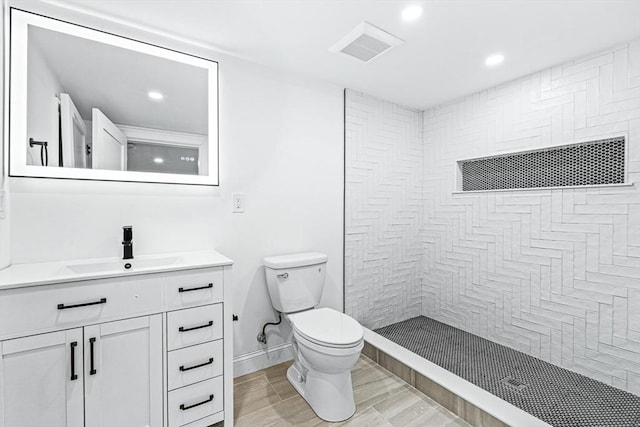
x=183 y=329
x=93 y=370
x=209 y=286
x=73 y=346
x=64 y=307
x=182 y=368
x=184 y=408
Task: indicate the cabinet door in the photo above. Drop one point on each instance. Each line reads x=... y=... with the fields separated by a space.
x=123 y=373
x=41 y=381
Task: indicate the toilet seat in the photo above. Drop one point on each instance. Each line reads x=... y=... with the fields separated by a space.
x=327 y=327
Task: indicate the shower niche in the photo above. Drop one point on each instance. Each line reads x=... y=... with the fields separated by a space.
x=599 y=162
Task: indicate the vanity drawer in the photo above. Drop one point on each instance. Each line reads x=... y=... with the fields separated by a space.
x=193 y=364
x=194 y=326
x=196 y=401
x=39 y=309
x=193 y=288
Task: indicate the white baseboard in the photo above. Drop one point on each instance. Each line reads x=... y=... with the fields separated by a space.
x=254 y=361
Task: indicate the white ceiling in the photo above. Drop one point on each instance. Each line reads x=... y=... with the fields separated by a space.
x=442 y=58
x=117 y=81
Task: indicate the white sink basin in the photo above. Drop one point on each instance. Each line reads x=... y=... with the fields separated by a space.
x=135 y=264
x=48 y=273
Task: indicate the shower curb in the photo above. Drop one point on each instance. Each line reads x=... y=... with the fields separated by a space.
x=476 y=406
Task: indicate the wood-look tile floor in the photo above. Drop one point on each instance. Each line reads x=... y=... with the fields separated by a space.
x=265 y=398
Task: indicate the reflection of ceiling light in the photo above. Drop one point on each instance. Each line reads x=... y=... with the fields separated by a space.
x=412 y=13
x=158 y=160
x=494 y=59
x=156 y=96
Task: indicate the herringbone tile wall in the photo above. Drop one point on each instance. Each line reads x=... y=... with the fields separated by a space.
x=383 y=210
x=553 y=273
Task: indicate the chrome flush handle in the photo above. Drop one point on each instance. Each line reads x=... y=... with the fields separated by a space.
x=283 y=276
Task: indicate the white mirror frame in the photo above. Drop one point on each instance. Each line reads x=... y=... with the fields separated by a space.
x=18 y=167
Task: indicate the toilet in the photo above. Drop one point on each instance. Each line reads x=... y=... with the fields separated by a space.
x=327 y=343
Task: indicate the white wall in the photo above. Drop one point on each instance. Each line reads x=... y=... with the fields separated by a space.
x=281 y=144
x=284 y=151
x=4 y=184
x=383 y=210
x=42 y=107
x=553 y=273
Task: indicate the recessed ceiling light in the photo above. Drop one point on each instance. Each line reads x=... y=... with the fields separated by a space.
x=155 y=95
x=411 y=13
x=158 y=160
x=494 y=59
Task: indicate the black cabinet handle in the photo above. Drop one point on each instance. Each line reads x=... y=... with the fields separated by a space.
x=209 y=286
x=93 y=370
x=183 y=329
x=73 y=346
x=184 y=408
x=64 y=307
x=182 y=368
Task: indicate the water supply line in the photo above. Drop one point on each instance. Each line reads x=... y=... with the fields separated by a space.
x=262 y=337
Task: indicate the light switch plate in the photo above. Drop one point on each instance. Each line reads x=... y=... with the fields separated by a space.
x=238 y=202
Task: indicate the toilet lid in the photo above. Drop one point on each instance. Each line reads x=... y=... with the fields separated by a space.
x=326 y=325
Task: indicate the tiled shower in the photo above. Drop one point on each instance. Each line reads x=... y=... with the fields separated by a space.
x=553 y=273
x=383 y=210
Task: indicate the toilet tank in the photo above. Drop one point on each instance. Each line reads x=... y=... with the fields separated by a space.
x=295 y=281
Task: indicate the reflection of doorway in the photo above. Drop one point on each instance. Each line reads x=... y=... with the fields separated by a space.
x=161 y=158
x=74 y=134
x=108 y=142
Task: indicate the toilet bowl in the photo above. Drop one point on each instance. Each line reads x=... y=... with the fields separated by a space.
x=327 y=342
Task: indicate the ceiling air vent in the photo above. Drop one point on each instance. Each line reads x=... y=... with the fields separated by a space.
x=366 y=42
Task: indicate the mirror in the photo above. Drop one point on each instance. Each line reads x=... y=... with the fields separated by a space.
x=85 y=104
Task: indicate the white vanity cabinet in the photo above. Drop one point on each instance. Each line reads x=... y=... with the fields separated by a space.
x=133 y=350
x=36 y=382
x=112 y=370
x=123 y=372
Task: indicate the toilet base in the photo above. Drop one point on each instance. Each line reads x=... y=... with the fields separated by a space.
x=329 y=395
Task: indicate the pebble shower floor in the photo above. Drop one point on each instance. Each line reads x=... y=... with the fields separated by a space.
x=557 y=396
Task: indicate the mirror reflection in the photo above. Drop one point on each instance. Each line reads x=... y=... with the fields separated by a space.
x=92 y=105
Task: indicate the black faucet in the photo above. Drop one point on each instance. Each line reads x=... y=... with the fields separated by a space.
x=127 y=245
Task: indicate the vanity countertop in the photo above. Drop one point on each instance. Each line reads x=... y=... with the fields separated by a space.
x=47 y=273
